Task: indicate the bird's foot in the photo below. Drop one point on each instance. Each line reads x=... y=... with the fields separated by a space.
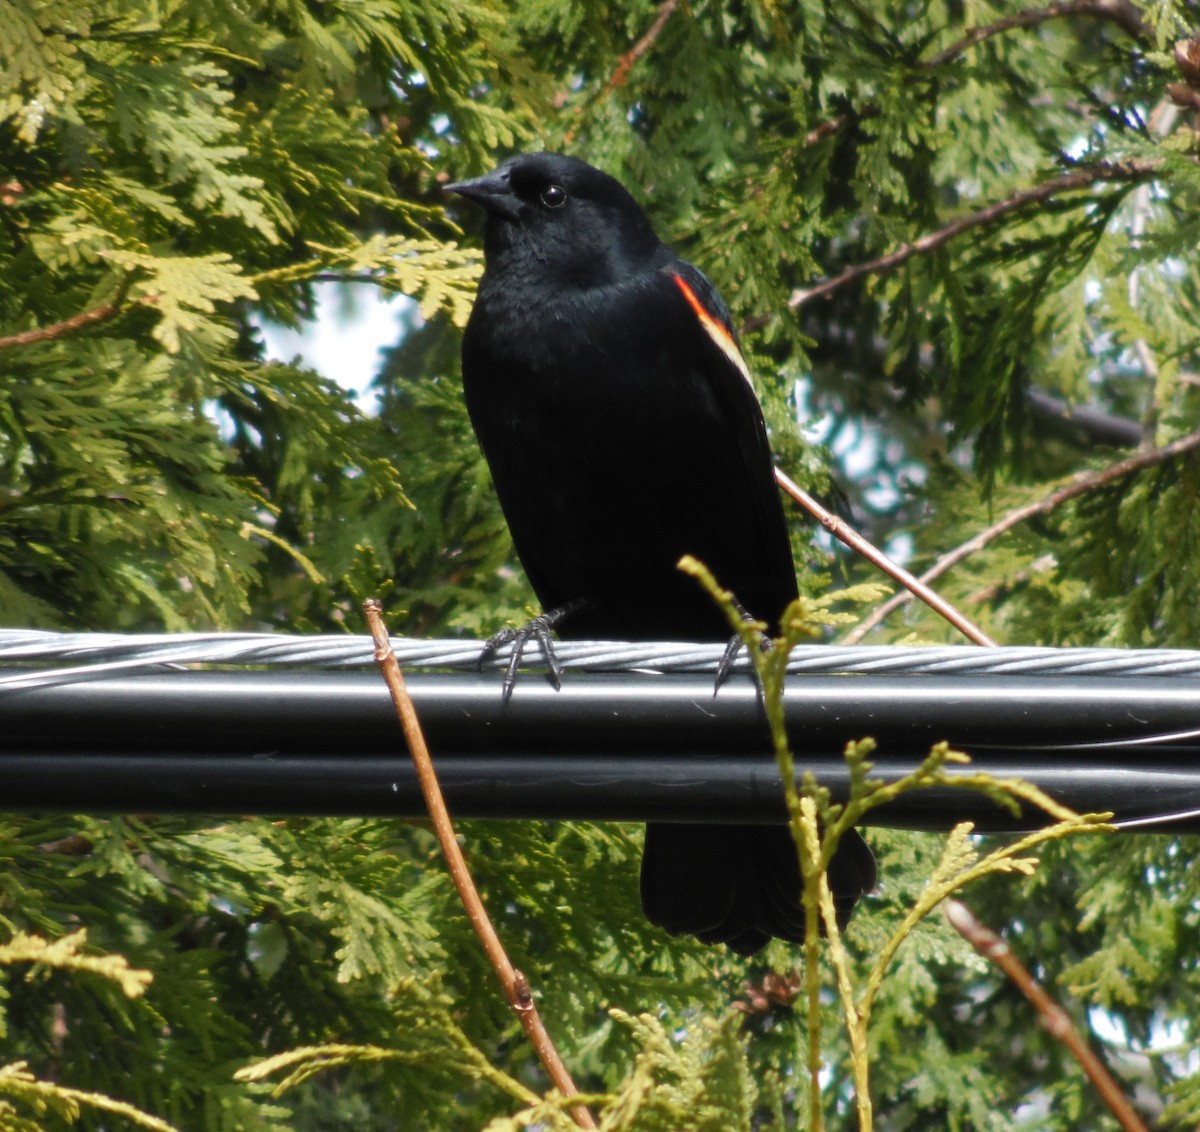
x=725 y=664
x=537 y=630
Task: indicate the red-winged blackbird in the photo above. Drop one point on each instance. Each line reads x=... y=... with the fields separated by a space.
x=605 y=383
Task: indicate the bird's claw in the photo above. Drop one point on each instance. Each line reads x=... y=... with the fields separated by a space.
x=725 y=664
x=538 y=630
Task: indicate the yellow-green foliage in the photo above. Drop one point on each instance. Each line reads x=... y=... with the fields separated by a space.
x=174 y=173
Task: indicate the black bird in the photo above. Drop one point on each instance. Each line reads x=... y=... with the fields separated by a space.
x=605 y=383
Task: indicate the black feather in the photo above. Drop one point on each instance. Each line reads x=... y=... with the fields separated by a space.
x=603 y=379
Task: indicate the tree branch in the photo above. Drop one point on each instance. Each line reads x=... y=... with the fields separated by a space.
x=1161 y=123
x=625 y=64
x=516 y=986
x=1119 y=11
x=1079 y=484
x=67 y=326
x=1052 y=1016
x=877 y=558
x=1082 y=178
x=833 y=125
x=1097 y=425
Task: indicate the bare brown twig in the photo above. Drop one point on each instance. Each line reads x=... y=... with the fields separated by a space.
x=516 y=986
x=73 y=845
x=58 y=329
x=1052 y=1016
x=833 y=125
x=1079 y=484
x=876 y=557
x=625 y=64
x=830 y=126
x=1119 y=11
x=1134 y=170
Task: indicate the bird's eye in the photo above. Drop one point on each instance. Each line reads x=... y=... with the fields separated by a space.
x=554 y=196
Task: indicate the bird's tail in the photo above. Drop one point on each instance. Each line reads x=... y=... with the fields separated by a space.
x=740 y=884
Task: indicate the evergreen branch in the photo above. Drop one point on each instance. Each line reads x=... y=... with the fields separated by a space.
x=993 y=591
x=19 y=1084
x=1121 y=12
x=822 y=850
x=807 y=837
x=67 y=325
x=961 y=866
x=1053 y=1017
x=1134 y=170
x=1080 y=484
x=1097 y=425
x=810 y=812
x=856 y=542
x=66 y=954
x=626 y=63
x=814 y=852
x=1161 y=123
x=305 y=1062
x=516 y=986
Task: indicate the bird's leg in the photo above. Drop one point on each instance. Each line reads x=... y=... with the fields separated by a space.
x=725 y=664
x=537 y=630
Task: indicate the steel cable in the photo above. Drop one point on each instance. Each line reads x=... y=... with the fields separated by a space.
x=75 y=656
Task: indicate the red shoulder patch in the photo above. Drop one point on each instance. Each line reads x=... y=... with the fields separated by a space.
x=713 y=327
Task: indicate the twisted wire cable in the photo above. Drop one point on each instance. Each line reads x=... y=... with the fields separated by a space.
x=49 y=658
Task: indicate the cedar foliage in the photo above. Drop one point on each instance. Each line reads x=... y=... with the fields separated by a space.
x=170 y=174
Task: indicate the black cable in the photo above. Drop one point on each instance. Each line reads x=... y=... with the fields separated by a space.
x=625 y=746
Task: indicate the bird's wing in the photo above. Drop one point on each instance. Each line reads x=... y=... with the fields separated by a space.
x=724 y=367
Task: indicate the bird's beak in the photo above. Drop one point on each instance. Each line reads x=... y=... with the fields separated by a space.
x=493 y=192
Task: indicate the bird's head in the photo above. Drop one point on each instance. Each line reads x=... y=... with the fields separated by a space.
x=561 y=218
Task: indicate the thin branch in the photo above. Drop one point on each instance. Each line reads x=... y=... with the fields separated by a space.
x=516 y=986
x=343 y=277
x=1079 y=484
x=625 y=64
x=1161 y=123
x=1119 y=11
x=1082 y=178
x=1052 y=1016
x=830 y=126
x=872 y=554
x=73 y=845
x=67 y=326
x=833 y=125
x=1098 y=426
x=991 y=591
